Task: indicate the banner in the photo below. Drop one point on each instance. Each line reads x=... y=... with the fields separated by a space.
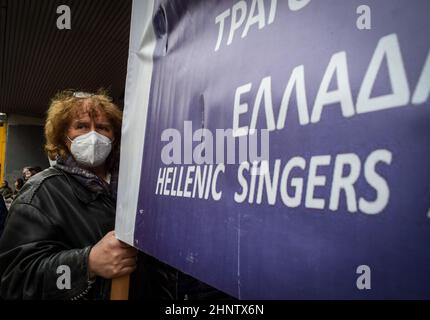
x=281 y=149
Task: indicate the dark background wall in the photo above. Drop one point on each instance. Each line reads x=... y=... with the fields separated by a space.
x=24 y=148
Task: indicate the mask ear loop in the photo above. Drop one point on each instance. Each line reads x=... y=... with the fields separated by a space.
x=73 y=139
x=111 y=140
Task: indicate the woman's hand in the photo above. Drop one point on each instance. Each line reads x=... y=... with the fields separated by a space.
x=111 y=258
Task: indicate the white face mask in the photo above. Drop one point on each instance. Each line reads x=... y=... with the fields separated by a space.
x=91 y=149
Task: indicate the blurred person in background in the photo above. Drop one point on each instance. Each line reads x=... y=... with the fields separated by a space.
x=35 y=170
x=18 y=185
x=26 y=173
x=5 y=190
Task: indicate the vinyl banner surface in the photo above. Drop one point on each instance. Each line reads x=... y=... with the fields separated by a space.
x=281 y=149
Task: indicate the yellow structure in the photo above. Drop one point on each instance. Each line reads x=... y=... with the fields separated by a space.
x=3 y=133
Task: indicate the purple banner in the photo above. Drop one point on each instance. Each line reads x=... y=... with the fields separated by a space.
x=338 y=95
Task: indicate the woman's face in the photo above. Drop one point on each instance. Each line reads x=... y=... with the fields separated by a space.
x=26 y=174
x=83 y=123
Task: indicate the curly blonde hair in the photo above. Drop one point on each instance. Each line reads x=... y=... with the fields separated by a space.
x=65 y=106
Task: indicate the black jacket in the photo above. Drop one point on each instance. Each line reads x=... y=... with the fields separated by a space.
x=53 y=222
x=3 y=214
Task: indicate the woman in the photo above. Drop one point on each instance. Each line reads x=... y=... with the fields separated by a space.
x=26 y=173
x=58 y=241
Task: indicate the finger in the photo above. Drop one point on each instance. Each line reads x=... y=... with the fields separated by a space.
x=130 y=256
x=118 y=243
x=129 y=262
x=115 y=244
x=124 y=245
x=110 y=233
x=125 y=271
x=129 y=253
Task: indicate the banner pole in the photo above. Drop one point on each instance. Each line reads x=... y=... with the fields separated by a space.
x=120 y=287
